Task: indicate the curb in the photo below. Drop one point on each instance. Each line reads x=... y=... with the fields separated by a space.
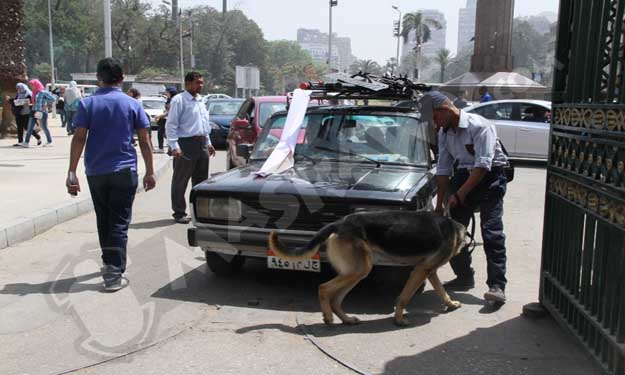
x=40 y=221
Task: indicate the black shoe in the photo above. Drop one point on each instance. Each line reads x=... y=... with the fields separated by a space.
x=182 y=220
x=460 y=284
x=495 y=294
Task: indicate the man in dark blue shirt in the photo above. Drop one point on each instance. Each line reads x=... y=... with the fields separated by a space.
x=105 y=122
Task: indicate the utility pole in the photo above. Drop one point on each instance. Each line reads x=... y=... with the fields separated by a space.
x=398 y=35
x=225 y=7
x=52 y=79
x=191 y=57
x=333 y=3
x=108 y=40
x=181 y=50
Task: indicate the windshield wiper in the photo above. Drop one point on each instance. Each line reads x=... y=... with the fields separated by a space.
x=351 y=153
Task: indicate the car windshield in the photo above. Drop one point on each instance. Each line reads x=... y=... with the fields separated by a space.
x=223 y=108
x=382 y=138
x=268 y=109
x=153 y=104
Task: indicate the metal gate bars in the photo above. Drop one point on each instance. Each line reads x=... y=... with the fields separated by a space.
x=583 y=262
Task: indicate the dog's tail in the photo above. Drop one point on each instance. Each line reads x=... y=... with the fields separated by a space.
x=280 y=248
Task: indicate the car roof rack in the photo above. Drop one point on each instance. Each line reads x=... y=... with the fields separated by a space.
x=364 y=86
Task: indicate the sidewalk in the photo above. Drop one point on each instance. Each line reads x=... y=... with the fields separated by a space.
x=32 y=184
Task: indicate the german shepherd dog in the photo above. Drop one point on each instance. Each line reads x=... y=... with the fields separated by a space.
x=423 y=239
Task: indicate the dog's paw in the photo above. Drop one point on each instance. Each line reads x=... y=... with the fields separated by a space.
x=351 y=320
x=452 y=305
x=328 y=320
x=401 y=322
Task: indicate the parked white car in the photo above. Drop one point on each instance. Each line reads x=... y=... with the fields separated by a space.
x=153 y=106
x=522 y=125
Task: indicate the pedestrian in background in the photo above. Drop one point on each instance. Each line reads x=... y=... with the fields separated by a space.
x=59 y=92
x=42 y=98
x=135 y=94
x=460 y=101
x=22 y=104
x=478 y=182
x=188 y=136
x=105 y=122
x=161 y=120
x=485 y=96
x=72 y=99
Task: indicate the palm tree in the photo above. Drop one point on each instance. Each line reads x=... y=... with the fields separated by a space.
x=12 y=63
x=443 y=57
x=366 y=66
x=422 y=28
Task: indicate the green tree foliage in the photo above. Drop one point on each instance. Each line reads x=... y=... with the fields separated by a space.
x=442 y=58
x=146 y=40
x=288 y=65
x=365 y=66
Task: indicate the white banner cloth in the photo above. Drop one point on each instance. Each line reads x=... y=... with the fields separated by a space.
x=281 y=159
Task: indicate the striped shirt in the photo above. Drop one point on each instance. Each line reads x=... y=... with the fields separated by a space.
x=43 y=97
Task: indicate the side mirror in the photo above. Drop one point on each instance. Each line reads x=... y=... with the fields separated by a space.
x=240 y=124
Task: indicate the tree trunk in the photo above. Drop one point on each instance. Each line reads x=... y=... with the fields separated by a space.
x=12 y=63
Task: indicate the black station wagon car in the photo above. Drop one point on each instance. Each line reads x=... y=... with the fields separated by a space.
x=347 y=159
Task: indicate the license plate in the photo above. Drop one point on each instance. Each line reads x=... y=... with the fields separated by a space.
x=311 y=265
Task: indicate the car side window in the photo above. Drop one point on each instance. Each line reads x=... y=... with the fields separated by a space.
x=246 y=109
x=534 y=113
x=502 y=111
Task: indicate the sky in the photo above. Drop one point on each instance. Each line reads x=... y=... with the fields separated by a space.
x=368 y=23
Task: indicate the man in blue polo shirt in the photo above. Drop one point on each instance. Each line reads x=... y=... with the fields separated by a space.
x=105 y=122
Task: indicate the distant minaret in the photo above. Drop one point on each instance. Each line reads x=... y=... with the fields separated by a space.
x=493 y=36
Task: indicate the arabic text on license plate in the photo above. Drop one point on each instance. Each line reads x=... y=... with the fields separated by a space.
x=311 y=265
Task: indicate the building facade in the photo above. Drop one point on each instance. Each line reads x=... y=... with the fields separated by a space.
x=466 y=25
x=316 y=43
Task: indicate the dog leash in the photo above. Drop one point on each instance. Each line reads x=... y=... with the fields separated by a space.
x=472 y=244
x=324 y=350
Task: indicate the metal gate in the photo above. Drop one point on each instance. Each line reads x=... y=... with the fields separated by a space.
x=583 y=262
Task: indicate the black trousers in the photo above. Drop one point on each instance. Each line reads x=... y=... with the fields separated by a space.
x=22 y=125
x=161 y=133
x=113 y=195
x=488 y=197
x=192 y=165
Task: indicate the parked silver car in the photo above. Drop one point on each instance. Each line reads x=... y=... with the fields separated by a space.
x=522 y=125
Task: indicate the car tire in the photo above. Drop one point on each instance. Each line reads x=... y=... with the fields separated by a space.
x=221 y=266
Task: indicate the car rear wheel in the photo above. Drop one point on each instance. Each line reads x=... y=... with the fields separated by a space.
x=221 y=266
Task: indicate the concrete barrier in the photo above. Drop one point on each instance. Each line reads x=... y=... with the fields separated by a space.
x=42 y=220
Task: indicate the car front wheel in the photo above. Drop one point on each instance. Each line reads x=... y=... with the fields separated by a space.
x=221 y=266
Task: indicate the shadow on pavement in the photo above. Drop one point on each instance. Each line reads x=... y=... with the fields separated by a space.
x=69 y=285
x=153 y=224
x=516 y=346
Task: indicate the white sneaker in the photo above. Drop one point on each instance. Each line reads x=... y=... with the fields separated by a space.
x=49 y=144
x=23 y=144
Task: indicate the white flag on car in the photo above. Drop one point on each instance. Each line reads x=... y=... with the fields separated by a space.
x=281 y=159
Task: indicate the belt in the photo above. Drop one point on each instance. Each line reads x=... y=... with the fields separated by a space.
x=194 y=137
x=497 y=169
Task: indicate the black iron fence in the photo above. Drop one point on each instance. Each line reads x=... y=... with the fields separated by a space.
x=583 y=264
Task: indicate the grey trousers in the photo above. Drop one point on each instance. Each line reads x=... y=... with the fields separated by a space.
x=192 y=166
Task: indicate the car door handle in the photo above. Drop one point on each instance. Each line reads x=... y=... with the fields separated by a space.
x=525 y=130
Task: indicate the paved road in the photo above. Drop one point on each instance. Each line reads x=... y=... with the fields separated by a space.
x=183 y=319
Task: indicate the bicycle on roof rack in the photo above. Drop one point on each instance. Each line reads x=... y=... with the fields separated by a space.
x=364 y=86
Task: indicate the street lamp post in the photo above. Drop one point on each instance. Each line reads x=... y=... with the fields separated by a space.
x=181 y=51
x=52 y=78
x=108 y=40
x=333 y=3
x=398 y=34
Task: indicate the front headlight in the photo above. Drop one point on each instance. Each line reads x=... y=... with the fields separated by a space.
x=227 y=209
